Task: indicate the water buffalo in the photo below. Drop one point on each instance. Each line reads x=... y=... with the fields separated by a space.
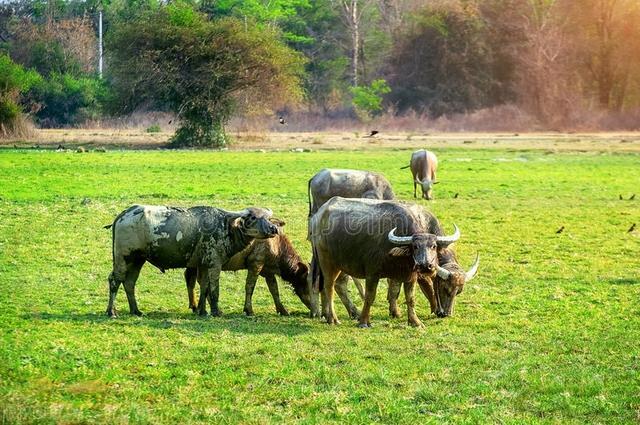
x=424 y=165
x=441 y=291
x=201 y=238
x=328 y=183
x=360 y=237
x=267 y=258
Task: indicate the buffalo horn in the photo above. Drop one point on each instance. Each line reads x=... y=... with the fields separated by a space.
x=473 y=270
x=398 y=240
x=443 y=273
x=448 y=240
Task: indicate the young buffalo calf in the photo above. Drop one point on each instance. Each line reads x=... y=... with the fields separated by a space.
x=441 y=292
x=267 y=258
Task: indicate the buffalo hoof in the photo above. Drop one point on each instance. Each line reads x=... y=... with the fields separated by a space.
x=354 y=314
x=283 y=311
x=248 y=312
x=137 y=313
x=216 y=313
x=333 y=321
x=394 y=313
x=193 y=308
x=364 y=325
x=112 y=314
x=416 y=323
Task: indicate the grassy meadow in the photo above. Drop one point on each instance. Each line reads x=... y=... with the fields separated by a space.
x=549 y=331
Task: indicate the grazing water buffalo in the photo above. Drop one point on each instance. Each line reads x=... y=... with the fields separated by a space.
x=267 y=258
x=200 y=238
x=328 y=183
x=441 y=293
x=360 y=237
x=424 y=165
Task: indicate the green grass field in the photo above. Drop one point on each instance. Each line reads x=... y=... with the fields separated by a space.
x=549 y=331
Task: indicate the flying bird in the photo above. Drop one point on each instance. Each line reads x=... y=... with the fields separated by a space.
x=632 y=228
x=560 y=230
x=455 y=196
x=620 y=197
x=373 y=133
x=632 y=197
x=281 y=120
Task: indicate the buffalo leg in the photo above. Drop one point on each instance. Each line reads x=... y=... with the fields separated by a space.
x=190 y=275
x=369 y=298
x=114 y=284
x=249 y=286
x=214 y=291
x=203 y=280
x=426 y=286
x=272 y=283
x=358 y=287
x=342 y=289
x=329 y=274
x=414 y=188
x=410 y=296
x=393 y=292
x=133 y=271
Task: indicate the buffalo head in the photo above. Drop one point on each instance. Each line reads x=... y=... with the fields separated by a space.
x=257 y=223
x=427 y=187
x=422 y=247
x=450 y=282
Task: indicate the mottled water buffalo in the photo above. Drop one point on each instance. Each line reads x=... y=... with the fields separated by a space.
x=360 y=237
x=328 y=183
x=200 y=238
x=267 y=258
x=424 y=165
x=441 y=291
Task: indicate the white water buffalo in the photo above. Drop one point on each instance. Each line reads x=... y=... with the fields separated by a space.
x=266 y=258
x=449 y=282
x=328 y=183
x=201 y=238
x=424 y=165
x=374 y=239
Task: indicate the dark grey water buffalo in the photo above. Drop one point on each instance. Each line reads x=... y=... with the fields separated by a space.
x=374 y=239
x=267 y=258
x=328 y=183
x=200 y=238
x=441 y=291
x=424 y=165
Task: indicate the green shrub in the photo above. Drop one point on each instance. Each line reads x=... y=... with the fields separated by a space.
x=64 y=99
x=367 y=100
x=14 y=81
x=154 y=128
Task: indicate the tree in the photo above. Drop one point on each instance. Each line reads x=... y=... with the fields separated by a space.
x=442 y=63
x=14 y=82
x=176 y=58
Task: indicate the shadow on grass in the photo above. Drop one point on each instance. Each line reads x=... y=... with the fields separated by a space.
x=233 y=322
x=623 y=281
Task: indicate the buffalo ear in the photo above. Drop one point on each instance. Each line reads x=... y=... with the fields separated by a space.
x=302 y=268
x=399 y=251
x=277 y=222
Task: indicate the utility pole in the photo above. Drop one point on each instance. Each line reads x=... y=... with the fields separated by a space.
x=100 y=43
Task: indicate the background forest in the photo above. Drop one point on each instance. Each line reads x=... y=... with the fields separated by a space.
x=557 y=64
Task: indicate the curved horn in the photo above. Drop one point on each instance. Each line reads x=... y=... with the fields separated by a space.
x=418 y=180
x=448 y=240
x=443 y=273
x=398 y=240
x=269 y=212
x=473 y=270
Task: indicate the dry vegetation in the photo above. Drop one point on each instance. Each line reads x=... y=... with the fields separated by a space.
x=341 y=140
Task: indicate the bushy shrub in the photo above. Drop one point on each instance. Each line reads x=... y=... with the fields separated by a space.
x=367 y=100
x=63 y=99
x=14 y=81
